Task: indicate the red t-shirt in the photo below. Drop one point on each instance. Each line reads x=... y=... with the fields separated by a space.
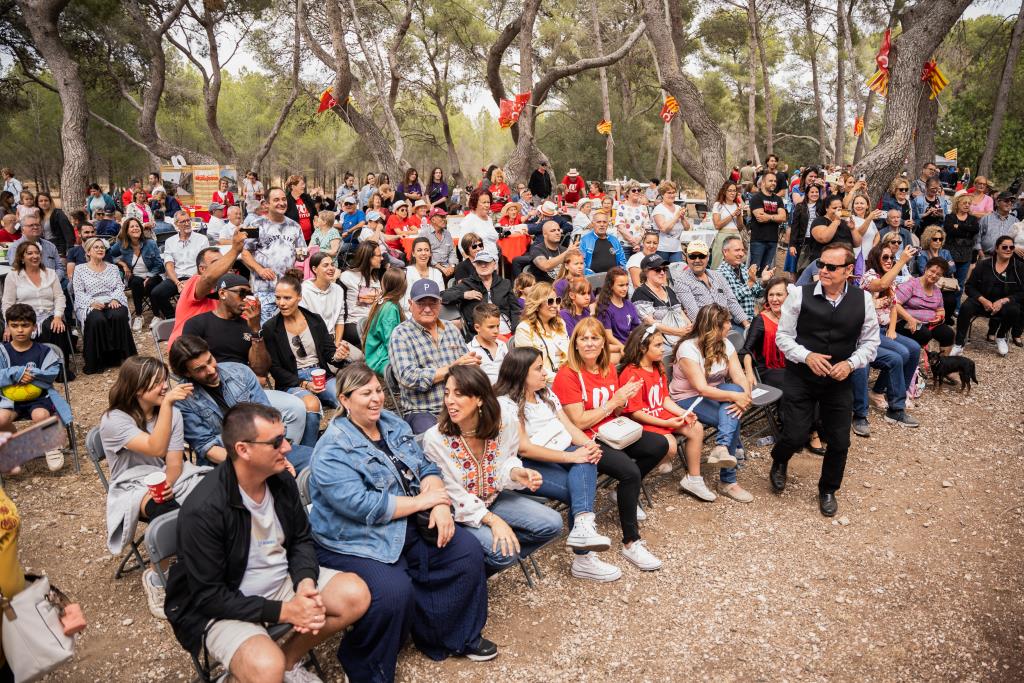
x=573 y=188
x=305 y=222
x=594 y=393
x=500 y=195
x=189 y=307
x=651 y=397
x=393 y=225
x=6 y=237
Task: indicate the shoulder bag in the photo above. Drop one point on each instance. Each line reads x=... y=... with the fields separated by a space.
x=38 y=625
x=618 y=433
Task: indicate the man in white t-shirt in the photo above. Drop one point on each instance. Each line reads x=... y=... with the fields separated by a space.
x=246 y=559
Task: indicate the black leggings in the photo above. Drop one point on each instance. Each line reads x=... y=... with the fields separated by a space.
x=141 y=289
x=629 y=466
x=1009 y=318
x=943 y=334
x=350 y=333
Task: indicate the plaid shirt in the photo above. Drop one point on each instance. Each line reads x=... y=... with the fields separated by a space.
x=415 y=358
x=694 y=294
x=745 y=295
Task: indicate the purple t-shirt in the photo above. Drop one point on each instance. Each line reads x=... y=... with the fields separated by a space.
x=572 y=320
x=917 y=303
x=620 y=321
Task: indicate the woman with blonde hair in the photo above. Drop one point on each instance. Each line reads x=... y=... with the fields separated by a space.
x=498 y=190
x=670 y=221
x=541 y=327
x=981 y=200
x=962 y=229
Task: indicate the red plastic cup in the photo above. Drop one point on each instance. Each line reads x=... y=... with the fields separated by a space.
x=319 y=380
x=157 y=485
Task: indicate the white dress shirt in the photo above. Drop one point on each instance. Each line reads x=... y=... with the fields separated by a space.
x=867 y=342
x=183 y=253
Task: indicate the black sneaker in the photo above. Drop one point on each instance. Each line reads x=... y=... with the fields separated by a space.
x=483 y=651
x=901 y=418
x=861 y=427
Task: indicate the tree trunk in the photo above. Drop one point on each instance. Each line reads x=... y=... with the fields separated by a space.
x=924 y=139
x=862 y=141
x=751 y=92
x=606 y=109
x=925 y=24
x=842 y=53
x=42 y=17
x=275 y=130
x=766 y=85
x=710 y=140
x=812 y=55
x=1002 y=97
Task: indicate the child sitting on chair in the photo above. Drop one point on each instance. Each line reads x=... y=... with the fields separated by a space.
x=27 y=372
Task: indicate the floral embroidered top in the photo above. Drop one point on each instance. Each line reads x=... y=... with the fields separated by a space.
x=474 y=480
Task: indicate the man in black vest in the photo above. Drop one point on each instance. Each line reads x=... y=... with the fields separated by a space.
x=826 y=331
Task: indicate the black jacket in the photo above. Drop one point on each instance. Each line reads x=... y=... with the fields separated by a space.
x=501 y=295
x=63 y=233
x=214 y=530
x=540 y=184
x=984 y=281
x=801 y=219
x=283 y=367
x=960 y=236
x=293 y=209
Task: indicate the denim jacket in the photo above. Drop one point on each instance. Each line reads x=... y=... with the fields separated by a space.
x=42 y=377
x=353 y=486
x=203 y=417
x=150 y=255
x=589 y=241
x=920 y=203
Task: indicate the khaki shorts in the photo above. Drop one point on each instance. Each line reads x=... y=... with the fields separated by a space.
x=224 y=637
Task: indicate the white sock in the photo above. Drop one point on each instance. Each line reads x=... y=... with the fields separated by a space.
x=694 y=478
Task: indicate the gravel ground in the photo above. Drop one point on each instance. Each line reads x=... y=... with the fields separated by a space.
x=916 y=579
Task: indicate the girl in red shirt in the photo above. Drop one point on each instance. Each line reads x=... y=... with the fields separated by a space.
x=657 y=412
x=499 y=191
x=223 y=195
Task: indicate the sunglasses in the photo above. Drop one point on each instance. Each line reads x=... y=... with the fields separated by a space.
x=241 y=292
x=554 y=301
x=885 y=259
x=659 y=269
x=274 y=443
x=300 y=348
x=476 y=245
x=696 y=257
x=1006 y=247
x=635 y=190
x=830 y=267
x=937 y=239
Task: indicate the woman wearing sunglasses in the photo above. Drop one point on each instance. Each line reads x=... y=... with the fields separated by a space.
x=933 y=246
x=542 y=328
x=299 y=343
x=470 y=244
x=898 y=198
x=994 y=290
x=657 y=304
x=632 y=220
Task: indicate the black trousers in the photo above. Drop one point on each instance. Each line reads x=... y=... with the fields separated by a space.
x=108 y=339
x=1009 y=318
x=629 y=466
x=833 y=400
x=943 y=334
x=142 y=288
x=161 y=296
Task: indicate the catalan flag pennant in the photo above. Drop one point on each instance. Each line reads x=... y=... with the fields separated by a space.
x=933 y=76
x=669 y=109
x=879 y=82
x=509 y=110
x=327 y=101
x=604 y=127
x=858 y=126
x=950 y=155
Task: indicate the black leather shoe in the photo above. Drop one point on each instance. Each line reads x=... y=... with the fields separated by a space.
x=828 y=504
x=483 y=651
x=817 y=450
x=777 y=476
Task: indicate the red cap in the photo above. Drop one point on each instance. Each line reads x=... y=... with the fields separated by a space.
x=438 y=211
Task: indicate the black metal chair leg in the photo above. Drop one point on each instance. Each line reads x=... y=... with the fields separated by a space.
x=526 y=572
x=536 y=567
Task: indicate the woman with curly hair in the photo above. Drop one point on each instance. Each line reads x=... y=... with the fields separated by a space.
x=542 y=328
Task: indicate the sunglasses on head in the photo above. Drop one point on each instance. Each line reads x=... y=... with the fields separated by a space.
x=554 y=301
x=300 y=348
x=274 y=443
x=830 y=267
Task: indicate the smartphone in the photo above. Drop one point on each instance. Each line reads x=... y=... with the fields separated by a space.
x=32 y=443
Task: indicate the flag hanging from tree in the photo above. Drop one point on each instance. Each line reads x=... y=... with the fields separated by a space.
x=509 y=110
x=669 y=109
x=604 y=127
x=880 y=81
x=327 y=101
x=858 y=127
x=950 y=155
x=935 y=79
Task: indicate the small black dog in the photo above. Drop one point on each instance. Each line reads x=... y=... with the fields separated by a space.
x=945 y=366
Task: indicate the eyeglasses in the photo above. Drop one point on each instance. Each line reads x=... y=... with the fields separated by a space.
x=885 y=259
x=635 y=190
x=274 y=443
x=696 y=257
x=241 y=292
x=902 y=189
x=476 y=245
x=300 y=348
x=830 y=267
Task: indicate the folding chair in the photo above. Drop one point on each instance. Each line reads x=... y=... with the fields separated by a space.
x=393 y=388
x=161 y=331
x=450 y=313
x=303 y=483
x=162 y=543
x=94 y=448
x=764 y=406
x=596 y=280
x=67 y=397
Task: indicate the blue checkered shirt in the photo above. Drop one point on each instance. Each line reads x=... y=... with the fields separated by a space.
x=415 y=359
x=746 y=296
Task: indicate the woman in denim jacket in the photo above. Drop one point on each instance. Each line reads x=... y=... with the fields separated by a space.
x=380 y=510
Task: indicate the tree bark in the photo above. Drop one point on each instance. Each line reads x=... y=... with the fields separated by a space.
x=769 y=113
x=1002 y=97
x=606 y=109
x=815 y=82
x=924 y=138
x=925 y=24
x=710 y=140
x=41 y=17
x=862 y=141
x=842 y=52
x=751 y=88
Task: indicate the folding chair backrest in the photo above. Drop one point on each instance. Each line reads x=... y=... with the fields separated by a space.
x=94 y=447
x=64 y=367
x=161 y=333
x=303 y=483
x=596 y=280
x=162 y=541
x=668 y=362
x=737 y=339
x=394 y=387
x=450 y=312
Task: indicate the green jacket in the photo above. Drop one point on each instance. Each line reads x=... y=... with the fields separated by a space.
x=375 y=348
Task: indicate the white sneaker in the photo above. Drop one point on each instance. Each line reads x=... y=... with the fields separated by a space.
x=55 y=459
x=641 y=516
x=590 y=567
x=696 y=487
x=957 y=350
x=639 y=555
x=300 y=674
x=720 y=456
x=584 y=534
x=137 y=323
x=155 y=593
x=1002 y=347
x=664 y=468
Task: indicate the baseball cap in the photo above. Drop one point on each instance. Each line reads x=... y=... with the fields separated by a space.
x=697 y=247
x=374 y=216
x=549 y=208
x=438 y=211
x=485 y=255
x=652 y=261
x=1005 y=196
x=216 y=206
x=349 y=200
x=424 y=289
x=230 y=280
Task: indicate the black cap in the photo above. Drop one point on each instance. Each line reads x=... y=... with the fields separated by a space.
x=652 y=261
x=230 y=280
x=1005 y=196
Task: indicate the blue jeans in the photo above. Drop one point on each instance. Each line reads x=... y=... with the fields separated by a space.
x=328 y=397
x=533 y=523
x=961 y=277
x=860 y=392
x=762 y=255
x=574 y=484
x=293 y=414
x=671 y=256
x=268 y=306
x=714 y=414
x=902 y=356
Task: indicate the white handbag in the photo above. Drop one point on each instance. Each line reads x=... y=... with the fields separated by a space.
x=620 y=432
x=33 y=635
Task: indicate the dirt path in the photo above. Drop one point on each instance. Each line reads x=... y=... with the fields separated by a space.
x=917 y=579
